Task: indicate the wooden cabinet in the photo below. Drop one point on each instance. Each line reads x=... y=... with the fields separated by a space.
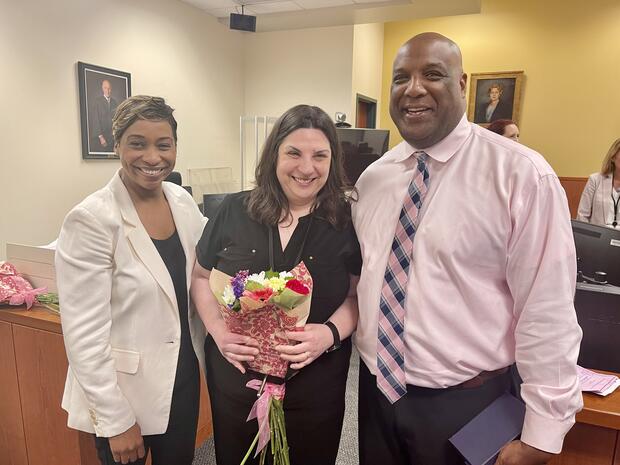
x=12 y=440
x=587 y=445
x=33 y=367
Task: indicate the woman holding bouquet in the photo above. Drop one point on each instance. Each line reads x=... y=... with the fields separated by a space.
x=298 y=211
x=123 y=262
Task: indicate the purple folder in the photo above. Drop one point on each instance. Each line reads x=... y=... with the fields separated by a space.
x=480 y=440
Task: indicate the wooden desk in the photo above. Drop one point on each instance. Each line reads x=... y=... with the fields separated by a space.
x=33 y=367
x=594 y=440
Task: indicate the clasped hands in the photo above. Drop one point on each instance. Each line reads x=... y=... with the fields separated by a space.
x=313 y=341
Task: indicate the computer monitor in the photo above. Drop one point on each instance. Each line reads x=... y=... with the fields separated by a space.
x=360 y=148
x=598 y=249
x=211 y=203
x=598 y=313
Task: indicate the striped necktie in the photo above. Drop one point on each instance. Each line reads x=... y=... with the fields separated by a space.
x=390 y=344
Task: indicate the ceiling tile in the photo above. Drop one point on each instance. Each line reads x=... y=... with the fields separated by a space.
x=212 y=4
x=275 y=7
x=376 y=1
x=225 y=12
x=310 y=4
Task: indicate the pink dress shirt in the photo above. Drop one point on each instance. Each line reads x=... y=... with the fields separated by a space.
x=492 y=277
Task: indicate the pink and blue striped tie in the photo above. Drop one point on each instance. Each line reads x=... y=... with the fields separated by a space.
x=390 y=344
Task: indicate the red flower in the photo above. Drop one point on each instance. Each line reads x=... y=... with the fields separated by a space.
x=260 y=294
x=297 y=286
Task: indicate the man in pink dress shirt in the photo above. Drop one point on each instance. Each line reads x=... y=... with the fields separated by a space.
x=491 y=279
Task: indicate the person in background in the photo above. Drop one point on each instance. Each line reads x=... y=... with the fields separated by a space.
x=475 y=269
x=505 y=127
x=104 y=108
x=123 y=263
x=600 y=199
x=299 y=210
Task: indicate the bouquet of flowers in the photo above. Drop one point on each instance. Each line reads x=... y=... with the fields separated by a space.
x=14 y=289
x=263 y=306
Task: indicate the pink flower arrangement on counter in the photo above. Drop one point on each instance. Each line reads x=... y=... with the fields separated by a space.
x=14 y=289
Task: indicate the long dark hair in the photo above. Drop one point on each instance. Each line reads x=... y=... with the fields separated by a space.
x=267 y=202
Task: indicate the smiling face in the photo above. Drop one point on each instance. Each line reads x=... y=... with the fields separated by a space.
x=304 y=159
x=428 y=89
x=148 y=153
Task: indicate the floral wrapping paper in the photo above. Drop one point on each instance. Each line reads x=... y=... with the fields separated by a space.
x=14 y=289
x=264 y=322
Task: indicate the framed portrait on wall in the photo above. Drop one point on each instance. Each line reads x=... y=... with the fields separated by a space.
x=494 y=96
x=101 y=90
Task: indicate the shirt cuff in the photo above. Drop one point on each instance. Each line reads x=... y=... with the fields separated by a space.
x=544 y=433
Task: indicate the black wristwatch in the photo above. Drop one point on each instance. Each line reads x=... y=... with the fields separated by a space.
x=334 y=331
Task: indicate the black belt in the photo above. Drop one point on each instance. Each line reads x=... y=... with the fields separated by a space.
x=480 y=379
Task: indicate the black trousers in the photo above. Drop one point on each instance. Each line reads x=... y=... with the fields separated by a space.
x=313 y=409
x=176 y=445
x=416 y=428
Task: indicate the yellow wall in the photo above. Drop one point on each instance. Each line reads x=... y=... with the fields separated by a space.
x=367 y=65
x=570 y=52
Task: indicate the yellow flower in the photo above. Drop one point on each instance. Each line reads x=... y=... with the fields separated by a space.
x=276 y=283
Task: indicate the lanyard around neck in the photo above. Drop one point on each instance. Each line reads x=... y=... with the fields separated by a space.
x=301 y=247
x=615 y=201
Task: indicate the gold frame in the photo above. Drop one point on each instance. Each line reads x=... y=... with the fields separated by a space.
x=476 y=78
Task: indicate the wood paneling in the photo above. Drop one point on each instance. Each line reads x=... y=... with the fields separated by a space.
x=205 y=423
x=42 y=368
x=617 y=457
x=587 y=445
x=36 y=317
x=574 y=188
x=33 y=367
x=12 y=440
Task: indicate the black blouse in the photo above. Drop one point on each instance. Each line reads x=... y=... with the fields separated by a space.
x=173 y=256
x=232 y=241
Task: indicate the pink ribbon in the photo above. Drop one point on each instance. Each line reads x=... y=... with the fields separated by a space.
x=260 y=409
x=26 y=297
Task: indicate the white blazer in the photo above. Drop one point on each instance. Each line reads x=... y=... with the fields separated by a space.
x=119 y=312
x=595 y=205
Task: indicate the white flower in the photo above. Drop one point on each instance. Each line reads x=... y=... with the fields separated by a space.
x=228 y=296
x=286 y=275
x=258 y=278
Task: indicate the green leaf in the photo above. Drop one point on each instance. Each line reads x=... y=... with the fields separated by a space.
x=271 y=274
x=253 y=286
x=288 y=299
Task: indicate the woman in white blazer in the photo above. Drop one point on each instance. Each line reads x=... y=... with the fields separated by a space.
x=123 y=262
x=600 y=199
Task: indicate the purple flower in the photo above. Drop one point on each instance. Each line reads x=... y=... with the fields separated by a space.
x=238 y=283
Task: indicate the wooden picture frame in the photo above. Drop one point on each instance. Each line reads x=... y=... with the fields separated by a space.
x=101 y=91
x=501 y=88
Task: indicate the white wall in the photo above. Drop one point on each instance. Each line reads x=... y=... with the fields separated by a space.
x=170 y=48
x=367 y=65
x=285 y=68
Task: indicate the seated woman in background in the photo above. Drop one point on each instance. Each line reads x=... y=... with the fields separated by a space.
x=298 y=211
x=505 y=127
x=600 y=199
x=123 y=262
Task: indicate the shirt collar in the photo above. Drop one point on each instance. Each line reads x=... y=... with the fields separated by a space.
x=443 y=150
